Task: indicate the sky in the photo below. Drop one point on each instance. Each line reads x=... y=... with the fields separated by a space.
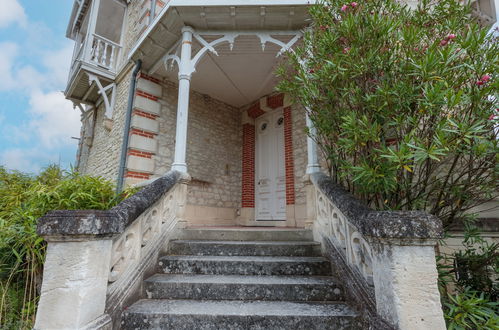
x=36 y=121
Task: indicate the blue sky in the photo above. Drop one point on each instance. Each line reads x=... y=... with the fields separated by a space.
x=36 y=122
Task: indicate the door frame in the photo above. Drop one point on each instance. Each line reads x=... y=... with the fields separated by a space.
x=246 y=214
x=278 y=201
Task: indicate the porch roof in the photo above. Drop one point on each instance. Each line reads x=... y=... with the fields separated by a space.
x=238 y=76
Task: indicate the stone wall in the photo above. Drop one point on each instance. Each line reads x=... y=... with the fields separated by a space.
x=133 y=27
x=104 y=154
x=214 y=142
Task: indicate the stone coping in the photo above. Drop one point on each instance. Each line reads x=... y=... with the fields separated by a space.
x=96 y=223
x=402 y=225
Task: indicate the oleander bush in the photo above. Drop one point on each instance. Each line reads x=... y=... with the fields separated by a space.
x=404 y=102
x=469 y=282
x=23 y=199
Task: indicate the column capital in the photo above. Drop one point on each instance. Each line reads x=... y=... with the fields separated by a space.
x=184 y=76
x=187 y=29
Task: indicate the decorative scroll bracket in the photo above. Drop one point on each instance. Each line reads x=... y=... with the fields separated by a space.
x=109 y=101
x=173 y=55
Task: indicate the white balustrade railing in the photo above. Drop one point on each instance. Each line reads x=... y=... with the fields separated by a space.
x=96 y=260
x=357 y=251
x=104 y=52
x=144 y=237
x=386 y=259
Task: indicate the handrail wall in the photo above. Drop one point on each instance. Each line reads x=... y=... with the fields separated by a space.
x=97 y=260
x=385 y=258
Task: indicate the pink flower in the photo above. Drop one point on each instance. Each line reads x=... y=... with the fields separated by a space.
x=344 y=8
x=354 y=4
x=451 y=36
x=346 y=50
x=443 y=42
x=485 y=78
x=479 y=83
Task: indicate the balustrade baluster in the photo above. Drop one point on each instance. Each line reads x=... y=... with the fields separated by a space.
x=98 y=51
x=104 y=53
x=112 y=57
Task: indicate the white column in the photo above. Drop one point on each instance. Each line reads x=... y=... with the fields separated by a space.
x=92 y=23
x=184 y=76
x=313 y=161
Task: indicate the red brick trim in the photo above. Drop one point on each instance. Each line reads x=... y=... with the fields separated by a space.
x=138 y=153
x=136 y=131
x=140 y=113
x=146 y=95
x=137 y=175
x=288 y=157
x=146 y=77
x=248 y=166
x=255 y=111
x=275 y=101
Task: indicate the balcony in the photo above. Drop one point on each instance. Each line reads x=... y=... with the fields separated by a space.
x=95 y=27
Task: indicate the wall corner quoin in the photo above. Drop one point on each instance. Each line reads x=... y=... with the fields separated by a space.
x=73 y=293
x=406 y=289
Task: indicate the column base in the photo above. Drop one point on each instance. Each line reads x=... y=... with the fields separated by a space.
x=313 y=168
x=180 y=167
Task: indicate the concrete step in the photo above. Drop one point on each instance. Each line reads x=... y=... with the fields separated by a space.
x=244 y=265
x=247 y=234
x=234 y=315
x=237 y=287
x=245 y=248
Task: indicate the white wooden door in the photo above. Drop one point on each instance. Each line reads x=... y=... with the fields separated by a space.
x=270 y=170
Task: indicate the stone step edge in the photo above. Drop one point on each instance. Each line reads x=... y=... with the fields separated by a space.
x=233 y=279
x=314 y=308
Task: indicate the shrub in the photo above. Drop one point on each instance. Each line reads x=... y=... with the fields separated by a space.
x=404 y=102
x=471 y=310
x=468 y=282
x=24 y=199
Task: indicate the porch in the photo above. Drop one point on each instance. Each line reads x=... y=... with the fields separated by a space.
x=209 y=124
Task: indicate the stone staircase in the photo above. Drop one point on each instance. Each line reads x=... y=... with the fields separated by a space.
x=261 y=278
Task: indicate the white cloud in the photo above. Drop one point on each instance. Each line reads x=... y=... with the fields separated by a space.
x=11 y=12
x=35 y=68
x=8 y=54
x=26 y=160
x=57 y=63
x=53 y=119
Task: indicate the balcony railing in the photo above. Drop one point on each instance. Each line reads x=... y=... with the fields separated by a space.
x=104 y=52
x=99 y=51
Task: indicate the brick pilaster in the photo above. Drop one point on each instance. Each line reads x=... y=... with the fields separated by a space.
x=248 y=166
x=288 y=157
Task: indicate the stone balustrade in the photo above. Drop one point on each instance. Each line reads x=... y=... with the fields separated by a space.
x=385 y=258
x=97 y=260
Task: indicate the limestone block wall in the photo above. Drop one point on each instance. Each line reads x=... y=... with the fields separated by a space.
x=214 y=141
x=300 y=161
x=103 y=155
x=138 y=18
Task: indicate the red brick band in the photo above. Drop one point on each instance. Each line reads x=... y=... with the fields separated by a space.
x=137 y=175
x=248 y=168
x=288 y=157
x=138 y=153
x=146 y=95
x=275 y=101
x=144 y=114
x=136 y=131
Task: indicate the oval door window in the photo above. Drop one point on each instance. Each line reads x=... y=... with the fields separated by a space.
x=280 y=121
x=263 y=127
